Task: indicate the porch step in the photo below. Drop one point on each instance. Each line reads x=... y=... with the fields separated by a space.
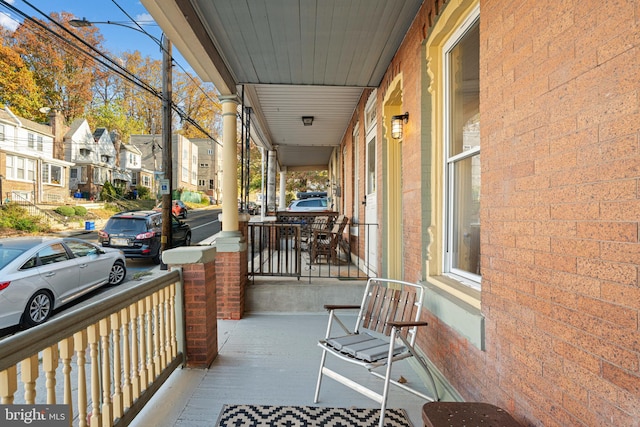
x=291 y=295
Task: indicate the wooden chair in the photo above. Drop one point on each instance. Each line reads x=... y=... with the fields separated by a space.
x=320 y=222
x=384 y=333
x=325 y=242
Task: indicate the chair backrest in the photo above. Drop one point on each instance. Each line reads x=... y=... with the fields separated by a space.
x=339 y=224
x=388 y=300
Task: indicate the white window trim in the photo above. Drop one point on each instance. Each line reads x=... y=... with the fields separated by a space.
x=468 y=279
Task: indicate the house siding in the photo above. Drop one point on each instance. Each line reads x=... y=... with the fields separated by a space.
x=559 y=208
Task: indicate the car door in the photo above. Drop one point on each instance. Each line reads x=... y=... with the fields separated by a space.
x=178 y=231
x=93 y=268
x=59 y=270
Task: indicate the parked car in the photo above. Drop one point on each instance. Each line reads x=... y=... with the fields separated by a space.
x=138 y=233
x=39 y=274
x=178 y=208
x=312 y=204
x=252 y=208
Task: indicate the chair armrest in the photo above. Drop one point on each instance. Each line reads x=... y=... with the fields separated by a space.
x=340 y=307
x=407 y=324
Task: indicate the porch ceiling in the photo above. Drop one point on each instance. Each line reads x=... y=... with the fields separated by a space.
x=293 y=58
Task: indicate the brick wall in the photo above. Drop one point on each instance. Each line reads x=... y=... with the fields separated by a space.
x=559 y=210
x=232 y=270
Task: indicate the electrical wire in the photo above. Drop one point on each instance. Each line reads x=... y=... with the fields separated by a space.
x=120 y=70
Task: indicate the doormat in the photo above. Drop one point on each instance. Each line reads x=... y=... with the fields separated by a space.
x=308 y=416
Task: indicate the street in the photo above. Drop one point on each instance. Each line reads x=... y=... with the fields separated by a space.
x=203 y=222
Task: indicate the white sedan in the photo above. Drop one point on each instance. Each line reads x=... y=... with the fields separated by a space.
x=38 y=274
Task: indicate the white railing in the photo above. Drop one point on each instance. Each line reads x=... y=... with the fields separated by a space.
x=105 y=360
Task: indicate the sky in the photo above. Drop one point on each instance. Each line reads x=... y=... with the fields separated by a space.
x=116 y=38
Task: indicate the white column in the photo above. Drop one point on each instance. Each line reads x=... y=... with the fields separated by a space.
x=283 y=188
x=229 y=164
x=271 y=182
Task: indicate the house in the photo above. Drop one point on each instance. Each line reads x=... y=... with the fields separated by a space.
x=94 y=155
x=185 y=159
x=29 y=171
x=209 y=159
x=495 y=146
x=131 y=161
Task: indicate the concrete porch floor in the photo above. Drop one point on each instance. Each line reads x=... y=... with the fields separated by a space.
x=270 y=359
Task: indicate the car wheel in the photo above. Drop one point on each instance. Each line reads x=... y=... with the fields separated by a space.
x=158 y=258
x=187 y=240
x=38 y=309
x=118 y=273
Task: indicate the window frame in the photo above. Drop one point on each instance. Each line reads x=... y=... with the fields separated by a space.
x=449 y=191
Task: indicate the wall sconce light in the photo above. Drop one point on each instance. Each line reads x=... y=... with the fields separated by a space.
x=307 y=120
x=397 y=123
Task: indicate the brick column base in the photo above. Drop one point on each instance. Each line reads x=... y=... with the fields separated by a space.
x=198 y=265
x=231 y=283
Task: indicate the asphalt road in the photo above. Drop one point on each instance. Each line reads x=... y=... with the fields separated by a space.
x=204 y=224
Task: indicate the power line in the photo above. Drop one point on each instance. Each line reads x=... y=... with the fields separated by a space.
x=121 y=71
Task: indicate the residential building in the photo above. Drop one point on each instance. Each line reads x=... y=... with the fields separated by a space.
x=494 y=144
x=131 y=161
x=185 y=159
x=29 y=171
x=209 y=159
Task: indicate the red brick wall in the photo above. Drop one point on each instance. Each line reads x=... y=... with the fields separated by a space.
x=231 y=280
x=200 y=305
x=560 y=200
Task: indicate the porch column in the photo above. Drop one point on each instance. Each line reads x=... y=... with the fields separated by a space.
x=198 y=264
x=283 y=189
x=271 y=182
x=230 y=243
x=229 y=161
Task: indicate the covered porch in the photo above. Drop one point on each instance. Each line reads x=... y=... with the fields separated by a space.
x=269 y=359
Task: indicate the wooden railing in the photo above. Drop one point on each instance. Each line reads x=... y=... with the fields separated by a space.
x=105 y=361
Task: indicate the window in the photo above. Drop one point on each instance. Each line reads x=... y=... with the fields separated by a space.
x=20 y=168
x=134 y=178
x=211 y=185
x=51 y=174
x=39 y=142
x=462 y=154
x=52 y=254
x=146 y=181
x=31 y=140
x=74 y=173
x=2 y=133
x=204 y=165
x=81 y=249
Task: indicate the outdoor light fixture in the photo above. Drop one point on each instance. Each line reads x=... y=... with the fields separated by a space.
x=307 y=120
x=397 y=123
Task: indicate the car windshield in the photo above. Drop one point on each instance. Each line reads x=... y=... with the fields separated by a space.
x=7 y=255
x=120 y=225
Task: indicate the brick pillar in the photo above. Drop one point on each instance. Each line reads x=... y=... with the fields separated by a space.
x=198 y=265
x=231 y=271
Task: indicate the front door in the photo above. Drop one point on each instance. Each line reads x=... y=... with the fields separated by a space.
x=371 y=210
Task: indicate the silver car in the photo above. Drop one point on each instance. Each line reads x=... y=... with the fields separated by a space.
x=38 y=274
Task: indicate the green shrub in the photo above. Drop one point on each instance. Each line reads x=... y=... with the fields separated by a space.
x=16 y=217
x=65 y=210
x=80 y=210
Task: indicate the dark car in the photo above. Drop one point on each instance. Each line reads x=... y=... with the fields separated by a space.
x=138 y=233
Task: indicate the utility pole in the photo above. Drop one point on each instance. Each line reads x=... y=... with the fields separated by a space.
x=167 y=158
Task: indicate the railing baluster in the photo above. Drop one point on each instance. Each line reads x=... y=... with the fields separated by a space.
x=66 y=353
x=8 y=385
x=93 y=338
x=149 y=332
x=80 y=346
x=164 y=311
x=142 y=338
x=155 y=317
x=107 y=408
x=127 y=397
x=49 y=365
x=117 y=366
x=135 y=375
x=29 y=374
x=172 y=326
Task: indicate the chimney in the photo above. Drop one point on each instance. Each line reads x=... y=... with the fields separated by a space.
x=58 y=129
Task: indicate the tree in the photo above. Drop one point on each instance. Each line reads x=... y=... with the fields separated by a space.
x=18 y=87
x=63 y=75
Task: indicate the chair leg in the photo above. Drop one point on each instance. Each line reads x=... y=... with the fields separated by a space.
x=387 y=377
x=322 y=360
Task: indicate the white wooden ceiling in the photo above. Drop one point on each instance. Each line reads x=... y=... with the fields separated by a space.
x=289 y=59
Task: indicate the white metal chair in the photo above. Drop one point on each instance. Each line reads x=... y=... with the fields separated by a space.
x=385 y=332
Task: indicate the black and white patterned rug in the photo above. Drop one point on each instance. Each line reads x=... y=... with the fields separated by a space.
x=308 y=416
